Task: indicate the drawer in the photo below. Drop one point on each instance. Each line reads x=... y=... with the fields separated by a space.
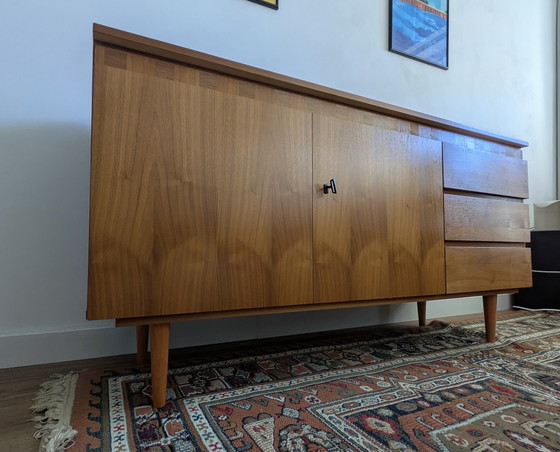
x=485 y=220
x=484 y=172
x=473 y=269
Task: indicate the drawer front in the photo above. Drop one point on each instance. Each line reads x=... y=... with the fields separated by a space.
x=472 y=269
x=485 y=220
x=484 y=172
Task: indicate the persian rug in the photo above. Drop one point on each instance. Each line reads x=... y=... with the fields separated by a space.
x=435 y=388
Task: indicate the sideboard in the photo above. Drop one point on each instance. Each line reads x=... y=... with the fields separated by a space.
x=219 y=189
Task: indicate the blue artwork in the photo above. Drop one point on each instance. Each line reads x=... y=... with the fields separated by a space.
x=419 y=30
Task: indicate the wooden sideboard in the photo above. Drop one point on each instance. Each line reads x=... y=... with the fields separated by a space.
x=212 y=195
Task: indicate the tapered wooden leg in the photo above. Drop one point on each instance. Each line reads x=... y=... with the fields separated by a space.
x=159 y=346
x=142 y=334
x=421 y=313
x=490 y=312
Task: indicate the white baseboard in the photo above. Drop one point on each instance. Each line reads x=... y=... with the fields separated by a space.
x=31 y=349
x=50 y=347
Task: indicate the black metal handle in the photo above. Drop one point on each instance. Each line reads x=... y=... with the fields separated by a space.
x=332 y=186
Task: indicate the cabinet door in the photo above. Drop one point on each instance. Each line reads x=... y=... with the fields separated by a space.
x=200 y=198
x=381 y=235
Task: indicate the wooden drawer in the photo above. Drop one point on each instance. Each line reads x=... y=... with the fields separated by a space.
x=485 y=220
x=484 y=172
x=470 y=269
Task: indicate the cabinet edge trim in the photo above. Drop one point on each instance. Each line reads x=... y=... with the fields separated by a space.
x=150 y=320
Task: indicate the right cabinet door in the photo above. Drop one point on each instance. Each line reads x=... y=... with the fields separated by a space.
x=381 y=235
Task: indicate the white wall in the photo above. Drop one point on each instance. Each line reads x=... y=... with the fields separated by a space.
x=500 y=79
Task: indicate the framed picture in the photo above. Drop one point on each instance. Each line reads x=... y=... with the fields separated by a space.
x=419 y=29
x=270 y=3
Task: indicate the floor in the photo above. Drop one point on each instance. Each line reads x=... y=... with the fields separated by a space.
x=19 y=385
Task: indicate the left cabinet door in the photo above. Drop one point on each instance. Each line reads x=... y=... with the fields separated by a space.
x=200 y=194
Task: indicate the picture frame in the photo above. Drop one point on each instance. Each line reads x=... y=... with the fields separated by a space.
x=419 y=29
x=270 y=3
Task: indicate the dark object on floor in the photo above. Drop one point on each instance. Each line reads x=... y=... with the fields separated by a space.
x=545 y=293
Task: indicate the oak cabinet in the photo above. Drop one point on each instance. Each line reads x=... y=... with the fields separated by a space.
x=205 y=201
x=210 y=197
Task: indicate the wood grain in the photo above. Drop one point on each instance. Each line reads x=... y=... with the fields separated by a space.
x=265 y=205
x=134 y=321
x=479 y=219
x=381 y=235
x=200 y=200
x=490 y=303
x=487 y=268
x=142 y=341
x=159 y=346
x=206 y=196
x=154 y=47
x=484 y=172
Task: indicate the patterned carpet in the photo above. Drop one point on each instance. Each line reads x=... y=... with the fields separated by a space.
x=437 y=388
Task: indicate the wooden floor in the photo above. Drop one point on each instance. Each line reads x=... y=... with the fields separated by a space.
x=19 y=385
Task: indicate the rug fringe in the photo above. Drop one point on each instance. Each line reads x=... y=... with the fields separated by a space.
x=54 y=401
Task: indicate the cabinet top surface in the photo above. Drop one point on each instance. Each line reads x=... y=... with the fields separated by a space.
x=107 y=35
